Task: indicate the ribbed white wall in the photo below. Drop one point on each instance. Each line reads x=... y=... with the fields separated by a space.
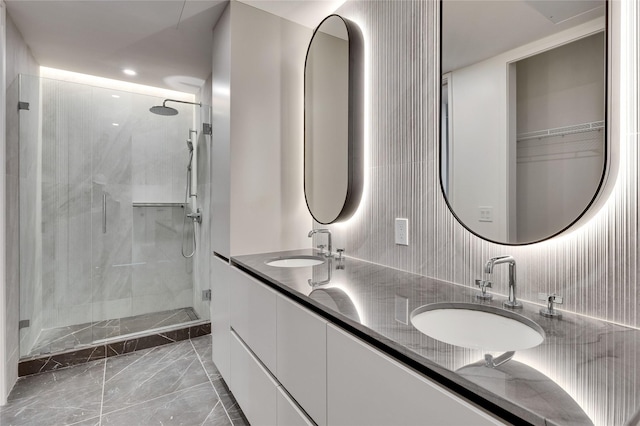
x=594 y=267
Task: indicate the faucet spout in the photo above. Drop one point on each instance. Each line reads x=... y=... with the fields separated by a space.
x=488 y=269
x=323 y=231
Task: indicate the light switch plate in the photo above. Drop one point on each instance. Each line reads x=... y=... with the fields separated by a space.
x=402 y=231
x=486 y=214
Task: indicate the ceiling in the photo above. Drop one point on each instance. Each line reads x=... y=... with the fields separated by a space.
x=167 y=42
x=475 y=30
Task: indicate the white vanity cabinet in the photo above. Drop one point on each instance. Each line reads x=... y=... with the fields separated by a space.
x=220 y=272
x=289 y=366
x=302 y=357
x=252 y=385
x=367 y=387
x=253 y=316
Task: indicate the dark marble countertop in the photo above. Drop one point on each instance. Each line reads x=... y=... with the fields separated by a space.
x=585 y=372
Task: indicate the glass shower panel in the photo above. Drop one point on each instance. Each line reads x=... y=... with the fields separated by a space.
x=100 y=183
x=23 y=157
x=112 y=216
x=141 y=281
x=66 y=215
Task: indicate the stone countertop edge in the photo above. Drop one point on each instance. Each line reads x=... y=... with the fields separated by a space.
x=475 y=394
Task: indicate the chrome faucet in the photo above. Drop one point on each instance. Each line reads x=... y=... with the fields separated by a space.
x=323 y=231
x=488 y=269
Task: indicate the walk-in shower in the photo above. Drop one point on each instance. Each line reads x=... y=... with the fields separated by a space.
x=101 y=212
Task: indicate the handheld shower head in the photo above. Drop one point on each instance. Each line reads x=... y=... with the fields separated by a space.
x=165 y=110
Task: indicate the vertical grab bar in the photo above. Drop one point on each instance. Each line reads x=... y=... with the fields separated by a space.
x=104 y=213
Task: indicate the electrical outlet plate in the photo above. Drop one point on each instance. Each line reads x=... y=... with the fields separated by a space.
x=402 y=231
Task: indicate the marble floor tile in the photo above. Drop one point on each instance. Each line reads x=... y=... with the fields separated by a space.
x=202 y=346
x=84 y=376
x=165 y=385
x=229 y=402
x=156 y=320
x=57 y=398
x=64 y=338
x=145 y=375
x=197 y=405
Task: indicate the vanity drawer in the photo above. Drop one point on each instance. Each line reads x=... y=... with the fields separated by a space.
x=302 y=357
x=367 y=387
x=289 y=414
x=252 y=385
x=253 y=315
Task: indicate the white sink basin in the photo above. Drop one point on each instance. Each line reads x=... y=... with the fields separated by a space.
x=477 y=326
x=295 y=261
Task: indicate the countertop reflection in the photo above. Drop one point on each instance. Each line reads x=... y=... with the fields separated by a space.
x=592 y=362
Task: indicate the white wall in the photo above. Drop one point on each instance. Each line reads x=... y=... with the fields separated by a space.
x=221 y=139
x=259 y=203
x=268 y=211
x=3 y=146
x=480 y=136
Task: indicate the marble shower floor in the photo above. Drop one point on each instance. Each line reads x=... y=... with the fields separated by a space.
x=64 y=338
x=175 y=384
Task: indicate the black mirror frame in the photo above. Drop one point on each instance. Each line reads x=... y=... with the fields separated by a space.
x=355 y=162
x=609 y=167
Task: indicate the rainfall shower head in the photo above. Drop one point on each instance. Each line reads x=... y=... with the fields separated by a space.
x=165 y=110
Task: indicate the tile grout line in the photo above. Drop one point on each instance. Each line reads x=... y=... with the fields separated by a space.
x=211 y=412
x=104 y=379
x=210 y=381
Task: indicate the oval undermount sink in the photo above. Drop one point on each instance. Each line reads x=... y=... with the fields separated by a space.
x=477 y=326
x=295 y=261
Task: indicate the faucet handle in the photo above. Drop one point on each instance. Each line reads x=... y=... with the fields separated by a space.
x=484 y=284
x=321 y=248
x=551 y=299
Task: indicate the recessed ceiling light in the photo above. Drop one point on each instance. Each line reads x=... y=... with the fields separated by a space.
x=115 y=96
x=115 y=124
x=129 y=72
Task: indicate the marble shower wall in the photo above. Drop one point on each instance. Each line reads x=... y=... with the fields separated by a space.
x=100 y=142
x=595 y=267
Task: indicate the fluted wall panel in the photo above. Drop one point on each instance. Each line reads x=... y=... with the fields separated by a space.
x=594 y=267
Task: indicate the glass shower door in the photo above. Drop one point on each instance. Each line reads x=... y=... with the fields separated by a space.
x=140 y=279
x=111 y=212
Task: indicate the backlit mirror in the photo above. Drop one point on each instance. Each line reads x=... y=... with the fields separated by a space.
x=333 y=117
x=523 y=114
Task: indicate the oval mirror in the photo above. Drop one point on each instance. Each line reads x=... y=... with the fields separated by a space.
x=523 y=114
x=333 y=120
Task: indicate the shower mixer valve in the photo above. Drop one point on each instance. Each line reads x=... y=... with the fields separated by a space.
x=197 y=216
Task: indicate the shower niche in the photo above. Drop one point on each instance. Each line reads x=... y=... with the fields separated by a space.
x=100 y=184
